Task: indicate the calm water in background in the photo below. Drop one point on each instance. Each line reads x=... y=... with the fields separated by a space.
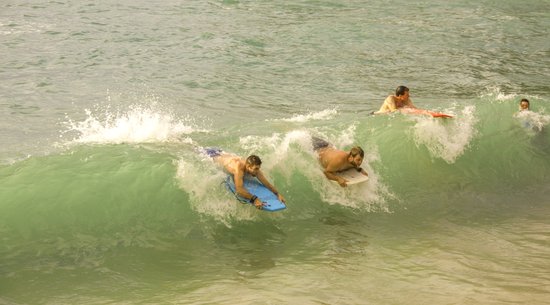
x=103 y=198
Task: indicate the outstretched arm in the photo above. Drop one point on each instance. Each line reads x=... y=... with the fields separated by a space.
x=330 y=172
x=267 y=184
x=408 y=103
x=331 y=176
x=333 y=161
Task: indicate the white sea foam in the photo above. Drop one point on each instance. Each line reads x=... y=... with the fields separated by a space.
x=532 y=121
x=497 y=94
x=137 y=125
x=326 y=114
x=446 y=138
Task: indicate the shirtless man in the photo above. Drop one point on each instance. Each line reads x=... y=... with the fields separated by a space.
x=334 y=160
x=239 y=167
x=394 y=102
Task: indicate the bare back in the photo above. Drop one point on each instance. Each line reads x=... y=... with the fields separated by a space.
x=334 y=160
x=231 y=163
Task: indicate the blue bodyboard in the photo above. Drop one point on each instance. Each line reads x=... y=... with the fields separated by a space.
x=256 y=188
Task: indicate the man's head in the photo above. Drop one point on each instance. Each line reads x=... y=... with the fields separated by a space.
x=356 y=156
x=524 y=104
x=401 y=90
x=402 y=93
x=252 y=165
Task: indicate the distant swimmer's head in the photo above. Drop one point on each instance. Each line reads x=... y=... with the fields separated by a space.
x=401 y=90
x=253 y=165
x=402 y=93
x=356 y=156
x=524 y=104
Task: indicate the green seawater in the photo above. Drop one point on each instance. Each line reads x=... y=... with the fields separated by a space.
x=105 y=200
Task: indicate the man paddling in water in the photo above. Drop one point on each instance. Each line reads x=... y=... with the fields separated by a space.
x=334 y=160
x=400 y=100
x=239 y=167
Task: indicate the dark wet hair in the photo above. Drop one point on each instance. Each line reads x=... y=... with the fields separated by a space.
x=401 y=90
x=357 y=151
x=253 y=160
x=524 y=100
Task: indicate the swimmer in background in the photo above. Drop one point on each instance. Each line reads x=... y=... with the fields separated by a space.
x=524 y=104
x=400 y=100
x=529 y=119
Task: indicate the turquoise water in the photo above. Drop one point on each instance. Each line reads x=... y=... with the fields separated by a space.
x=104 y=200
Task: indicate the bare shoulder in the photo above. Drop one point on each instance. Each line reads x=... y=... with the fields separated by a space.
x=333 y=159
x=328 y=152
x=391 y=99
